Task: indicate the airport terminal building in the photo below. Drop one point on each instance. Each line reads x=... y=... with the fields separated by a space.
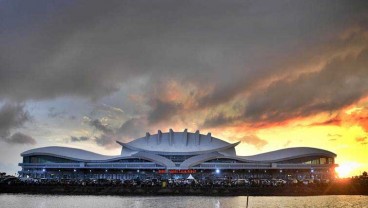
x=176 y=155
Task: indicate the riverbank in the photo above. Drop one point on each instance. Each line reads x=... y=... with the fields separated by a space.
x=297 y=190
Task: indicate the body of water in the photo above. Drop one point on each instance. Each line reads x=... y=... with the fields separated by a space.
x=33 y=201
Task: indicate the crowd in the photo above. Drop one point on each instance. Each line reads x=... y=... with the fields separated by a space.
x=156 y=182
x=181 y=182
x=190 y=185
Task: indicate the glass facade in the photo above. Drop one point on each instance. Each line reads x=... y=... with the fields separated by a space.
x=45 y=159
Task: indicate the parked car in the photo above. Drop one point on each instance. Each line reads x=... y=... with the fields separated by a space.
x=265 y=182
x=278 y=182
x=241 y=182
x=292 y=181
x=307 y=181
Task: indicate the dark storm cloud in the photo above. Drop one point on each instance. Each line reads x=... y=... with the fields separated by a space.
x=106 y=140
x=12 y=117
x=340 y=83
x=101 y=127
x=219 y=120
x=131 y=128
x=88 y=48
x=36 y=61
x=20 y=138
x=163 y=111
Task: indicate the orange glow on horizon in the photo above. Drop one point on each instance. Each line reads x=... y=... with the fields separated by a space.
x=344 y=133
x=346 y=169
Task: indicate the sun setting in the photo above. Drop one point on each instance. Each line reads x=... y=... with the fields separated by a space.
x=346 y=169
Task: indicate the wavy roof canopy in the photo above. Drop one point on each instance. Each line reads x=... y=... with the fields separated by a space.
x=86 y=156
x=289 y=154
x=268 y=157
x=204 y=147
x=68 y=153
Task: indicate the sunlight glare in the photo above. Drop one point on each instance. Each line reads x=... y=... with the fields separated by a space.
x=345 y=169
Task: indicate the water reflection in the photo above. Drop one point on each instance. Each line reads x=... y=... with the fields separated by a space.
x=33 y=201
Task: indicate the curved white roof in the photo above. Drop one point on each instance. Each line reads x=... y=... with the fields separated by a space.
x=268 y=157
x=288 y=154
x=155 y=147
x=68 y=153
x=177 y=142
x=86 y=156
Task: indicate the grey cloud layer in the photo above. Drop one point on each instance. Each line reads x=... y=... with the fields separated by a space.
x=225 y=49
x=131 y=128
x=12 y=117
x=20 y=138
x=98 y=125
x=87 y=48
x=340 y=83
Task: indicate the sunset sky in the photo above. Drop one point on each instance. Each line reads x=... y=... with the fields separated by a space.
x=271 y=74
